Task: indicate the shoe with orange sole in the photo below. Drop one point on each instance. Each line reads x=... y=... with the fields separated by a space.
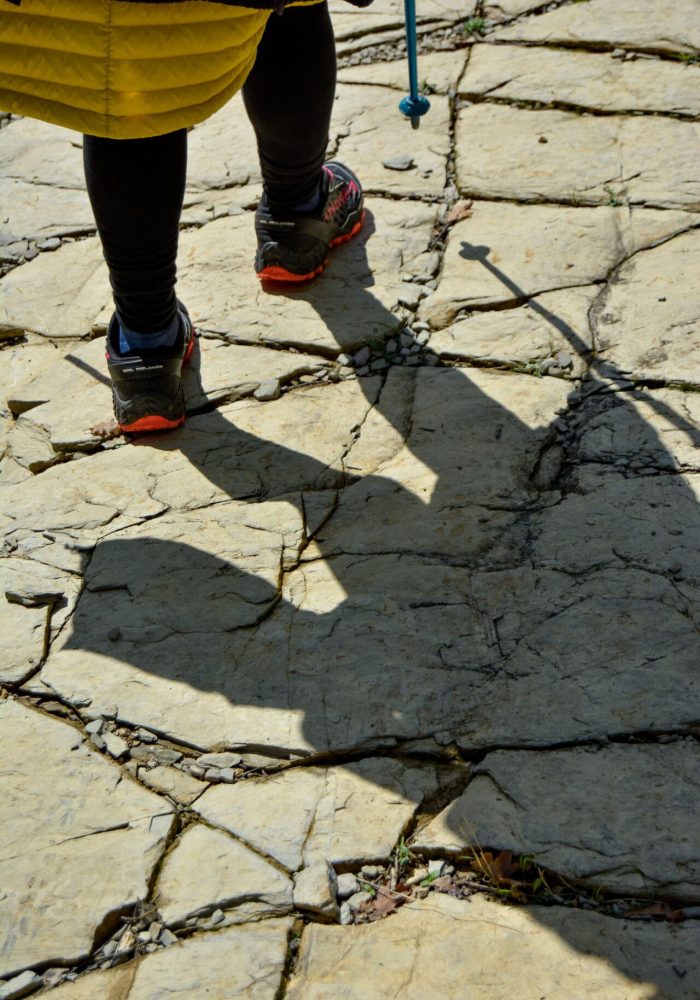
x=293 y=247
x=147 y=384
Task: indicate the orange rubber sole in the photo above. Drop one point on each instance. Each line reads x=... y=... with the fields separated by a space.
x=288 y=277
x=155 y=422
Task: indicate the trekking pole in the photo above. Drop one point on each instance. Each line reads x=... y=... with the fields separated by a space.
x=415 y=104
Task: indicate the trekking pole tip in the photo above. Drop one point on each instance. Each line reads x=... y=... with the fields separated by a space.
x=414 y=108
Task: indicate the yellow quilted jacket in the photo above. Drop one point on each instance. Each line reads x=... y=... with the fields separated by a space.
x=125 y=68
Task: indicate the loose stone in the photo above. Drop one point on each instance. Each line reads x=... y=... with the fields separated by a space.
x=345 y=360
x=347 y=885
x=404 y=162
x=52 y=977
x=356 y=900
x=116 y=746
x=224 y=759
x=145 y=736
x=20 y=986
x=217 y=916
x=95 y=727
x=371 y=871
x=53 y=243
x=164 y=755
x=268 y=390
x=167 y=938
x=345 y=914
x=362 y=356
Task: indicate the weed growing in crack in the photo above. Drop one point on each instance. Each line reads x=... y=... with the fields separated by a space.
x=475 y=26
x=614 y=199
x=402 y=854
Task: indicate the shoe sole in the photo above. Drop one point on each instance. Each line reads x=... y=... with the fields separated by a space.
x=154 y=422
x=279 y=274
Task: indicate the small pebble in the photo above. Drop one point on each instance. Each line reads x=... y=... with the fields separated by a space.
x=420 y=326
x=406 y=339
x=144 y=936
x=217 y=916
x=52 y=243
x=404 y=162
x=268 y=390
x=371 y=871
x=391 y=346
x=167 y=938
x=164 y=755
x=379 y=365
x=95 y=727
x=345 y=913
x=422 y=338
x=347 y=885
x=436 y=866
x=116 y=746
x=155 y=930
x=431 y=359
x=356 y=901
x=145 y=736
x=344 y=360
x=19 y=986
x=52 y=977
x=224 y=759
x=362 y=356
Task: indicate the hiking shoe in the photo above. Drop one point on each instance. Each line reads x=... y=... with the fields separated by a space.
x=147 y=384
x=293 y=246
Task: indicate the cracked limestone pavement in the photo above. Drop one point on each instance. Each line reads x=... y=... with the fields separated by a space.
x=439 y=594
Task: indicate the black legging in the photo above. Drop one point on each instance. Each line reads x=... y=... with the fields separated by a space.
x=137 y=186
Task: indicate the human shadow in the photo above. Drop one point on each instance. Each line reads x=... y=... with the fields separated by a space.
x=467 y=583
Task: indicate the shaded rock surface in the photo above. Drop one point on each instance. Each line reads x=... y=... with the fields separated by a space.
x=587 y=836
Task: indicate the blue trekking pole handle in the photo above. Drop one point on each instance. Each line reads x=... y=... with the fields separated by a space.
x=415 y=104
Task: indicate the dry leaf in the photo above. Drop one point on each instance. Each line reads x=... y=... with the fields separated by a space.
x=460 y=210
x=664 y=910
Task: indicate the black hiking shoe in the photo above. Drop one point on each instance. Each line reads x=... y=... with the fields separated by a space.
x=294 y=247
x=147 y=384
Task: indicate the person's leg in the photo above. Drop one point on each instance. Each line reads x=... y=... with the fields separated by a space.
x=136 y=187
x=289 y=98
x=307 y=207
